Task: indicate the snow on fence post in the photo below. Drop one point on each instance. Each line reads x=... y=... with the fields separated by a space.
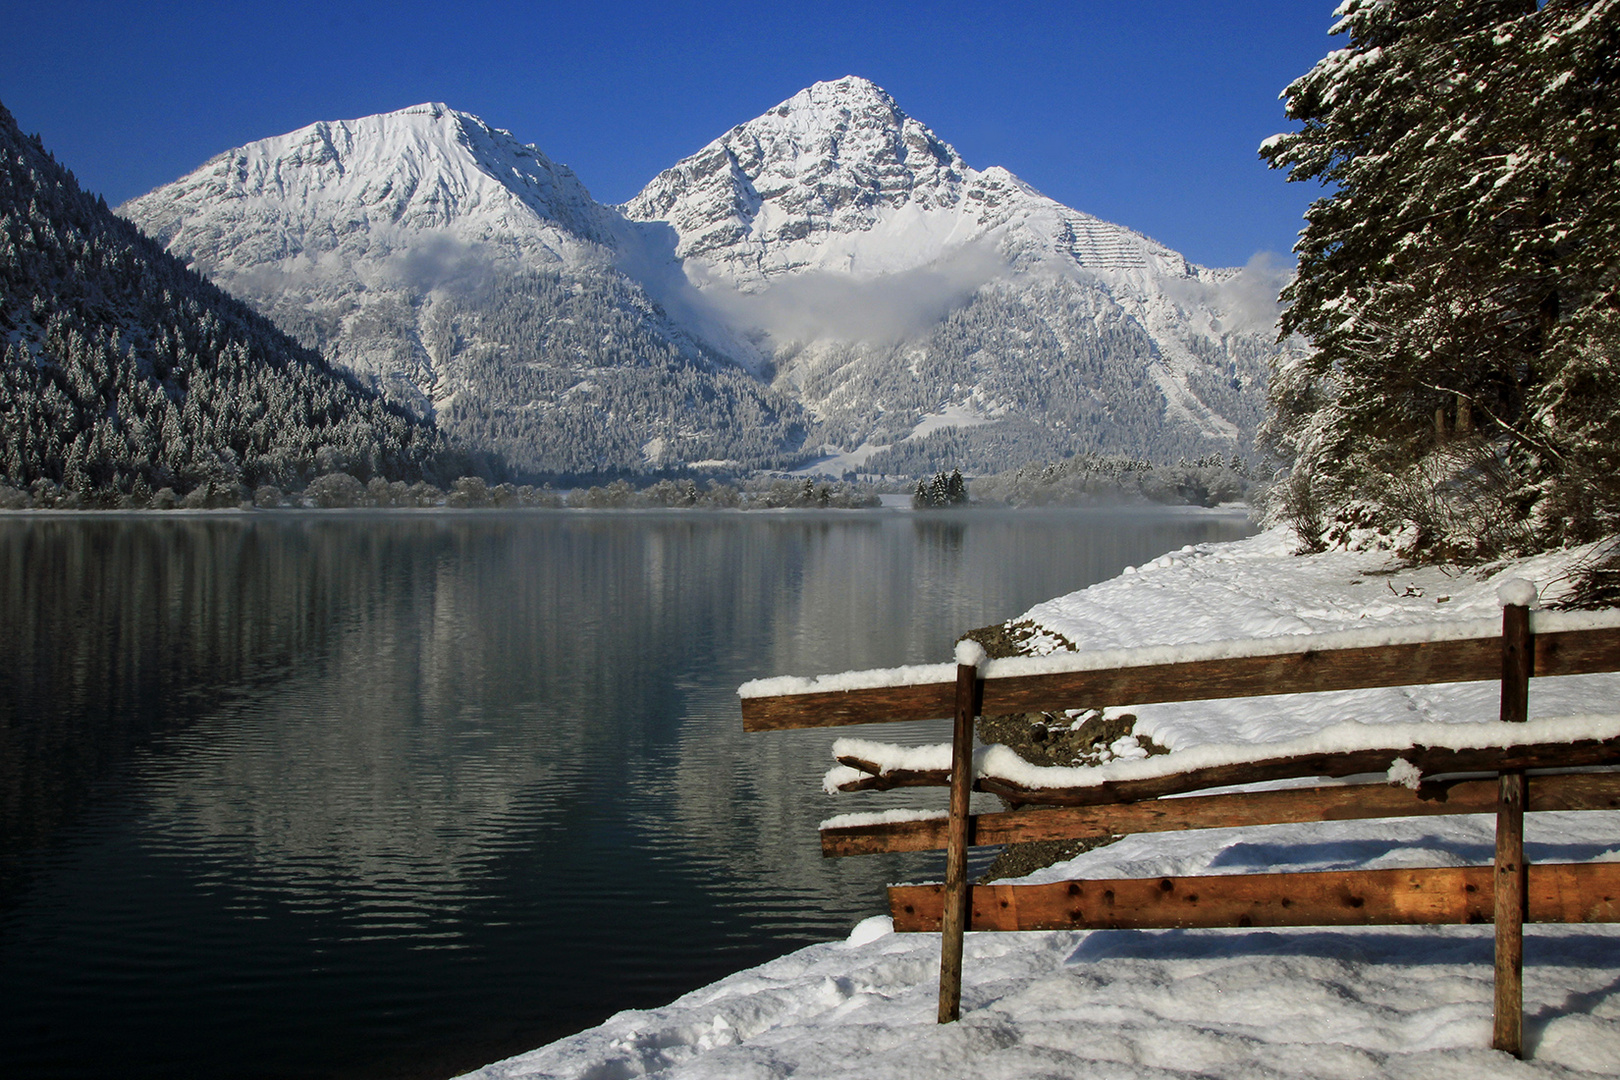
x=1518 y=655
x=970 y=655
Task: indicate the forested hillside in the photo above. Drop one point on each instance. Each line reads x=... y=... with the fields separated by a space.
x=1058 y=369
x=129 y=380
x=471 y=280
x=574 y=372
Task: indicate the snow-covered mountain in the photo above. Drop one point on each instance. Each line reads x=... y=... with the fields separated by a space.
x=829 y=275
x=905 y=292
x=473 y=279
x=353 y=188
x=838 y=179
x=127 y=380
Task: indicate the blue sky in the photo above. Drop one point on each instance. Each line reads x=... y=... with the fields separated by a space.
x=1143 y=113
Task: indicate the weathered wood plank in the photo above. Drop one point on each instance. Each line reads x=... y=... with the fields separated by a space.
x=1256 y=676
x=1518 y=657
x=899 y=778
x=889 y=704
x=1557 y=893
x=1509 y=912
x=1577 y=652
x=1561 y=791
x=1432 y=760
x=1574 y=791
x=1569 y=652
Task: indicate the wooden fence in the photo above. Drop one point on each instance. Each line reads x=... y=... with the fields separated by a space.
x=1508 y=893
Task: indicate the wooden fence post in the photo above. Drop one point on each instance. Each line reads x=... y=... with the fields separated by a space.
x=953 y=925
x=1566 y=648
x=1510 y=878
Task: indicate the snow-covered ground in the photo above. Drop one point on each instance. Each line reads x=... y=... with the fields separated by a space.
x=1327 y=1003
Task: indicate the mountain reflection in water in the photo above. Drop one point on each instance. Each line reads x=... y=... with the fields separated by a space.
x=396 y=795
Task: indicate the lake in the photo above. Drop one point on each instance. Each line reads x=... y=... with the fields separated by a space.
x=367 y=794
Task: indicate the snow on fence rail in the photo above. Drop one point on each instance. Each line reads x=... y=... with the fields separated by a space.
x=1404 y=752
x=1566 y=643
x=1420 y=766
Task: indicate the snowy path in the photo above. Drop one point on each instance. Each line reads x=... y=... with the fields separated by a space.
x=1387 y=1002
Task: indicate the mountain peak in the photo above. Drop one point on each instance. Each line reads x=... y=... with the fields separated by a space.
x=850 y=90
x=344 y=185
x=822 y=115
x=832 y=160
x=434 y=109
x=849 y=84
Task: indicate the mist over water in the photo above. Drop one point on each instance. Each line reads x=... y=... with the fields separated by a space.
x=365 y=795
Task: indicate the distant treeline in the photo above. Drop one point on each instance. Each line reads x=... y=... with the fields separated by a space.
x=1205 y=481
x=339 y=490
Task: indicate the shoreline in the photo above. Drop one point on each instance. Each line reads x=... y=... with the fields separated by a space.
x=1143 y=1005
x=234 y=512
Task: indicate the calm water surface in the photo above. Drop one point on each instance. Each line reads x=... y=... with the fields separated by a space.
x=358 y=795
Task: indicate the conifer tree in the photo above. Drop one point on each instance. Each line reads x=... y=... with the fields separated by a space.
x=123 y=373
x=1461 y=282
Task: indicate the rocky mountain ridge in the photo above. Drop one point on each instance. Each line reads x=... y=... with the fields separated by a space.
x=473 y=280
x=905 y=294
x=839 y=179
x=828 y=280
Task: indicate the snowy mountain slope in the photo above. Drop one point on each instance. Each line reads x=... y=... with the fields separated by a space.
x=838 y=179
x=845 y=229
x=829 y=275
x=358 y=188
x=472 y=279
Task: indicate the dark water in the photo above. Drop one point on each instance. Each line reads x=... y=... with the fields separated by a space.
x=366 y=795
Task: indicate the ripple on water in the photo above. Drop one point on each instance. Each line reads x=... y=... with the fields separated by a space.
x=300 y=796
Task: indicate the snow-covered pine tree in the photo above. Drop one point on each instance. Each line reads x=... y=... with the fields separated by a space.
x=122 y=372
x=1460 y=282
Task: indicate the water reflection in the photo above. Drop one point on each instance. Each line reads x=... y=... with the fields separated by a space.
x=363 y=795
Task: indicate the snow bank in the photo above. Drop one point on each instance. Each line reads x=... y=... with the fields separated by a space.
x=1408 y=1002
x=1344 y=1004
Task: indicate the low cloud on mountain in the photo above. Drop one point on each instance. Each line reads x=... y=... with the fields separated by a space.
x=1247 y=302
x=820 y=305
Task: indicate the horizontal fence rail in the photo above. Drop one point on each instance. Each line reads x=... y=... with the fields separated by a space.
x=1574 y=771
x=1427 y=759
x=1307 y=670
x=1557 y=893
x=1340 y=802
